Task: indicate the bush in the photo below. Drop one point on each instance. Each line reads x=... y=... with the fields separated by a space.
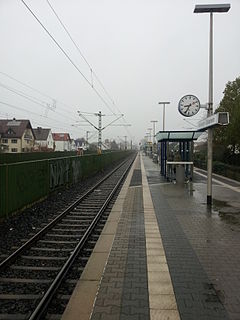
x=227 y=170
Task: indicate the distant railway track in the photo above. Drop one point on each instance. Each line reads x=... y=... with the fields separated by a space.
x=39 y=276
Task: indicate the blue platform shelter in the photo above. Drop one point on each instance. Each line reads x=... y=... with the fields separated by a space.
x=175 y=152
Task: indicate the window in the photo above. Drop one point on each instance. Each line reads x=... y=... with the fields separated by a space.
x=10 y=131
x=14 y=150
x=5 y=140
x=14 y=140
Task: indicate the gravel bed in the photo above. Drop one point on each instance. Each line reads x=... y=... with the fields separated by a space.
x=22 y=307
x=23 y=225
x=18 y=226
x=22 y=288
x=35 y=274
x=39 y=263
x=64 y=254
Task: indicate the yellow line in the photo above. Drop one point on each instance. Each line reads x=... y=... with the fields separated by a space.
x=162 y=300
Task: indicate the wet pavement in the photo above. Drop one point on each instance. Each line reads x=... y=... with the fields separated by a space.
x=202 y=245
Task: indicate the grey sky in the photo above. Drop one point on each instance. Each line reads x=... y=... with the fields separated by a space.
x=144 y=51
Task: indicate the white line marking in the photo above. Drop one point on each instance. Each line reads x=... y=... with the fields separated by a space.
x=237 y=189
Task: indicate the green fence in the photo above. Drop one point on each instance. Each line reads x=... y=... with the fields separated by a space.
x=24 y=183
x=32 y=156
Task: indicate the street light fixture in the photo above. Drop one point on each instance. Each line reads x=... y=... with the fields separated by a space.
x=164 y=103
x=210 y=8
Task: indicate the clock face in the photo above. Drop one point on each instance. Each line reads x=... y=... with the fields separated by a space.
x=189 y=105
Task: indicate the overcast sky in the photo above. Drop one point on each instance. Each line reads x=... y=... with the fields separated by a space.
x=143 y=51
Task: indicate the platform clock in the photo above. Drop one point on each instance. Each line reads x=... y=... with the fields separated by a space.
x=189 y=105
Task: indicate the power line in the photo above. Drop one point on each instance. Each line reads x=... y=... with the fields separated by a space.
x=67 y=56
x=32 y=112
x=80 y=52
x=43 y=104
x=36 y=90
x=84 y=58
x=24 y=95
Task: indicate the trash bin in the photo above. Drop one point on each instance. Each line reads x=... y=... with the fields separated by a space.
x=180 y=174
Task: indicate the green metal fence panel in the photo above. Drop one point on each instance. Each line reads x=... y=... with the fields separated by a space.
x=3 y=191
x=24 y=183
x=31 y=156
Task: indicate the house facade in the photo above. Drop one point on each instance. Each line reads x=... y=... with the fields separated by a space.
x=62 y=141
x=16 y=136
x=43 y=139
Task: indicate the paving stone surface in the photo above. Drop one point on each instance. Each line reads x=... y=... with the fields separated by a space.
x=202 y=250
x=123 y=293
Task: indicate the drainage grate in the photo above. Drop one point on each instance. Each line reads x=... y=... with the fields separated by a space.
x=136 y=178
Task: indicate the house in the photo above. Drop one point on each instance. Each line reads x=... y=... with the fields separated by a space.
x=81 y=144
x=62 y=141
x=16 y=136
x=44 y=139
x=73 y=145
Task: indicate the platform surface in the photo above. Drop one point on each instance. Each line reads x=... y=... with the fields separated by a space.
x=163 y=253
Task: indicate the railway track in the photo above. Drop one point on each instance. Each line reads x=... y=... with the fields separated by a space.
x=37 y=279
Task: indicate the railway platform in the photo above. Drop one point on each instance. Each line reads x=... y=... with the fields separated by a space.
x=163 y=254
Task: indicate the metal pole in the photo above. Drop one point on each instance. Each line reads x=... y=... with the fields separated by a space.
x=210 y=112
x=125 y=142
x=164 y=103
x=150 y=135
x=154 y=123
x=87 y=132
x=164 y=117
x=100 y=130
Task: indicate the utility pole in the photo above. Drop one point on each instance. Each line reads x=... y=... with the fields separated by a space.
x=87 y=132
x=99 y=128
x=99 y=131
x=125 y=142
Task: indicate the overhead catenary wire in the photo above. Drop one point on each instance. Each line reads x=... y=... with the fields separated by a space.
x=26 y=96
x=36 y=114
x=36 y=90
x=43 y=104
x=85 y=59
x=67 y=56
x=81 y=54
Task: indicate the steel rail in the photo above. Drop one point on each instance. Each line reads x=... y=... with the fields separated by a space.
x=45 y=301
x=34 y=238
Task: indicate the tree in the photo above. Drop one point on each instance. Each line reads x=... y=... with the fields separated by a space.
x=229 y=136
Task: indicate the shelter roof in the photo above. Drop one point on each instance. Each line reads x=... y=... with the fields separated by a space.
x=177 y=135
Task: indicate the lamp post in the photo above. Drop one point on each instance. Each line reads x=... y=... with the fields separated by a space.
x=150 y=134
x=210 y=8
x=154 y=123
x=164 y=103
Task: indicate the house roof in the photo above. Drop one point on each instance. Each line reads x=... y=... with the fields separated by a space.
x=14 y=128
x=61 y=137
x=41 y=133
